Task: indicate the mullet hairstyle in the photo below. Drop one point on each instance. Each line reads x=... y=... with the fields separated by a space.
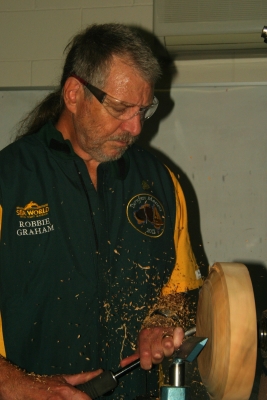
x=89 y=55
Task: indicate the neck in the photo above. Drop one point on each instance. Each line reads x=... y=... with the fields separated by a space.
x=92 y=171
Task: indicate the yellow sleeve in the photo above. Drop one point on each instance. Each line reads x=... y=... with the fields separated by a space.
x=185 y=275
x=2 y=345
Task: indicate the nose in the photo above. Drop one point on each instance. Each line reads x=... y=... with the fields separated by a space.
x=133 y=125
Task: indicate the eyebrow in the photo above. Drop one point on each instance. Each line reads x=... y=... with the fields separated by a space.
x=101 y=95
x=128 y=105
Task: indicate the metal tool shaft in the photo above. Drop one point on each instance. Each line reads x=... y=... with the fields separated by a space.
x=128 y=368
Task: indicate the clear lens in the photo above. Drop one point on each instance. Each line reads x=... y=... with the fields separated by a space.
x=124 y=111
x=150 y=111
x=118 y=109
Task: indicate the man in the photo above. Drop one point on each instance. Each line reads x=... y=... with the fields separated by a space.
x=93 y=231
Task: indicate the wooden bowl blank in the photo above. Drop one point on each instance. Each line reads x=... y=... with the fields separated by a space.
x=226 y=315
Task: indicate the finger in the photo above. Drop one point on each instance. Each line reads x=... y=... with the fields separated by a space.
x=147 y=346
x=129 y=359
x=178 y=336
x=167 y=342
x=78 y=379
x=153 y=347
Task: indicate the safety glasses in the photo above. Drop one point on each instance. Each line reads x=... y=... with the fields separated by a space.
x=117 y=108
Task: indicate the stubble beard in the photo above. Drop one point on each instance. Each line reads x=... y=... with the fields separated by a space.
x=93 y=145
x=101 y=156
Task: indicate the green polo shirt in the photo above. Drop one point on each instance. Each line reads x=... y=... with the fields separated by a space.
x=79 y=268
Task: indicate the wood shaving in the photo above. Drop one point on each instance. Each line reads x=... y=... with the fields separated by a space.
x=177 y=305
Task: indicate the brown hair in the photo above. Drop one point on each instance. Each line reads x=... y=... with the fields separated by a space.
x=89 y=55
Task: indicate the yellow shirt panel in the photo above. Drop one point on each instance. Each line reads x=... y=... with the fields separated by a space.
x=185 y=275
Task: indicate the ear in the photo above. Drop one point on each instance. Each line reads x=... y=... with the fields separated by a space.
x=72 y=93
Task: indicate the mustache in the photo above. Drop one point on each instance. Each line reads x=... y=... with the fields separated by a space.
x=125 y=137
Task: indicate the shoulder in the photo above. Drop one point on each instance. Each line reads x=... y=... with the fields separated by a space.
x=30 y=142
x=139 y=155
x=151 y=164
x=28 y=145
x=13 y=151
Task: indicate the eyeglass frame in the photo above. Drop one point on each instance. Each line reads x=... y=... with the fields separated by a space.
x=100 y=95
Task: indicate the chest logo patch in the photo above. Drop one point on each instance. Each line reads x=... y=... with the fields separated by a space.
x=32 y=210
x=146 y=214
x=31 y=220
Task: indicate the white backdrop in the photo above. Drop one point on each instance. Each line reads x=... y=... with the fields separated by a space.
x=218 y=137
x=14 y=104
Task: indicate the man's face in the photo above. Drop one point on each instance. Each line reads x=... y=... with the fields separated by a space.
x=100 y=136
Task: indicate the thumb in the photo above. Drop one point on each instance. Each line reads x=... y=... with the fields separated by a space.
x=178 y=336
x=129 y=359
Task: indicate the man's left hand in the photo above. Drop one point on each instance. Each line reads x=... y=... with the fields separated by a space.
x=154 y=344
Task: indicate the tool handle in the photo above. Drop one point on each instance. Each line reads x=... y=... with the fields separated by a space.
x=99 y=385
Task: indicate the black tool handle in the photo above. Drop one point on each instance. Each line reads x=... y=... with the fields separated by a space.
x=99 y=385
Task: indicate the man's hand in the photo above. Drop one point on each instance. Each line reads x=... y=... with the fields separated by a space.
x=154 y=344
x=15 y=384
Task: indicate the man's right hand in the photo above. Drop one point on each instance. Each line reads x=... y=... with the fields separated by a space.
x=16 y=384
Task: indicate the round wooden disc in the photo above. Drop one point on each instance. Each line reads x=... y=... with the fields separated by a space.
x=226 y=315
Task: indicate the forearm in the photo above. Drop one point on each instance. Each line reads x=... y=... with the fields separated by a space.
x=16 y=384
x=10 y=380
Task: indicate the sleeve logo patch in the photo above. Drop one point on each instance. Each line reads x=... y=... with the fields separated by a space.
x=146 y=214
x=32 y=210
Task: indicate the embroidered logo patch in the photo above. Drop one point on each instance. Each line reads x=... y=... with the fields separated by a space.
x=146 y=214
x=31 y=222
x=32 y=210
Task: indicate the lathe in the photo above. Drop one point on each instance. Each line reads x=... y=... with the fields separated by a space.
x=225 y=342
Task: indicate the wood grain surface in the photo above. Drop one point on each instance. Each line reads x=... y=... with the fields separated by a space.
x=226 y=315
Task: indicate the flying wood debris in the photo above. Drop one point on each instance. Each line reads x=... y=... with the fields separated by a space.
x=178 y=312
